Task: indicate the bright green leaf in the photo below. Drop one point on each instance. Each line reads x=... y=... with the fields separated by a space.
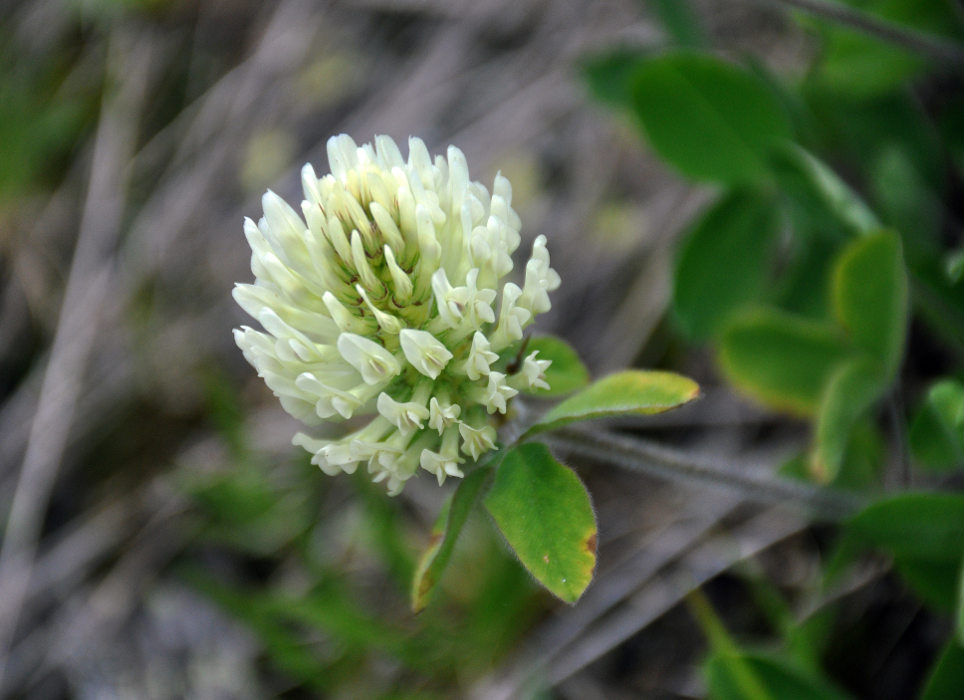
x=566 y=373
x=778 y=679
x=946 y=679
x=723 y=262
x=780 y=359
x=710 y=119
x=915 y=525
x=853 y=388
x=632 y=392
x=444 y=534
x=937 y=432
x=544 y=512
x=814 y=186
x=870 y=296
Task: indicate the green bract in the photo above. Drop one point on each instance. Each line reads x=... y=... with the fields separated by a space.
x=384 y=299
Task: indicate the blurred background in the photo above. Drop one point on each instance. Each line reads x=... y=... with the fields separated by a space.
x=163 y=539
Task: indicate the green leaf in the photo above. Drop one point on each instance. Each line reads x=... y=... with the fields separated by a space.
x=937 y=431
x=935 y=582
x=723 y=262
x=853 y=388
x=710 y=119
x=946 y=679
x=780 y=359
x=870 y=296
x=681 y=23
x=632 y=392
x=814 y=186
x=609 y=75
x=776 y=677
x=959 y=623
x=545 y=514
x=858 y=65
x=566 y=373
x=444 y=534
x=915 y=525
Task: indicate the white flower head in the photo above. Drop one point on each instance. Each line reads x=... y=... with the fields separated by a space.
x=386 y=296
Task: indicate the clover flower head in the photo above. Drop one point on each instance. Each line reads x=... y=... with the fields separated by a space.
x=385 y=299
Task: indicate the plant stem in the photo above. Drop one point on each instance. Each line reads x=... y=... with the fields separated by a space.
x=914 y=41
x=669 y=463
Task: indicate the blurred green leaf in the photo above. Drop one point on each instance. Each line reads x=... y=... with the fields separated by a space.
x=609 y=75
x=727 y=672
x=777 y=677
x=862 y=66
x=566 y=373
x=447 y=527
x=935 y=582
x=631 y=392
x=680 y=21
x=544 y=512
x=937 y=431
x=914 y=525
x=807 y=179
x=906 y=198
x=780 y=359
x=870 y=296
x=959 y=622
x=723 y=263
x=853 y=388
x=946 y=679
x=710 y=119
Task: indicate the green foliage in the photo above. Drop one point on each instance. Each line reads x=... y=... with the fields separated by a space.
x=734 y=673
x=680 y=22
x=447 y=528
x=724 y=262
x=854 y=387
x=937 y=431
x=946 y=680
x=566 y=373
x=631 y=392
x=781 y=359
x=921 y=525
x=544 y=512
x=812 y=185
x=709 y=119
x=870 y=297
x=776 y=677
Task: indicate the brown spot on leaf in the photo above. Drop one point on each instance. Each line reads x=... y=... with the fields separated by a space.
x=591 y=544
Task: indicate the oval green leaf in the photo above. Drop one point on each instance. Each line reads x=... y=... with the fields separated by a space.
x=723 y=263
x=914 y=525
x=544 y=512
x=566 y=373
x=781 y=360
x=710 y=119
x=632 y=392
x=870 y=296
x=446 y=530
x=854 y=387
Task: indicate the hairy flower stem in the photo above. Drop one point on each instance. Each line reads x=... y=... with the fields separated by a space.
x=668 y=463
